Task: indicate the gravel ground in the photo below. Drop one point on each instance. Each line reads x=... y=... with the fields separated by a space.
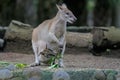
x=73 y=58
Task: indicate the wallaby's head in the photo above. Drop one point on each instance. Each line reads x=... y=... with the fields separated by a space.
x=66 y=14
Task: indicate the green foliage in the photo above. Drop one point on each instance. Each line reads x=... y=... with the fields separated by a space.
x=113 y=3
x=17 y=65
x=20 y=65
x=52 y=60
x=90 y=4
x=3 y=64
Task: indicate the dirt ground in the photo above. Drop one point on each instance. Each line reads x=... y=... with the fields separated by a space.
x=74 y=57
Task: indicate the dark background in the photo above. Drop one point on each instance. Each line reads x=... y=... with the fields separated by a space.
x=105 y=12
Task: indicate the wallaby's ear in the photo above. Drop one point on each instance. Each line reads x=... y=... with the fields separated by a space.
x=64 y=5
x=59 y=7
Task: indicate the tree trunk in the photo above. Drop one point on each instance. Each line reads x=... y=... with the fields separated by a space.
x=46 y=9
x=117 y=18
x=26 y=11
x=30 y=14
x=19 y=10
x=90 y=20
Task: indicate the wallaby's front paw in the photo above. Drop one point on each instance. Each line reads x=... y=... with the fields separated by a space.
x=34 y=64
x=60 y=45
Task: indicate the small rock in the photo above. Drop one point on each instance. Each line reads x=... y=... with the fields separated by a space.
x=11 y=67
x=118 y=76
x=17 y=78
x=34 y=78
x=5 y=74
x=111 y=76
x=99 y=75
x=33 y=74
x=61 y=75
x=118 y=79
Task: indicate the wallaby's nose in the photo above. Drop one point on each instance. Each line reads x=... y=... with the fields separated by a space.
x=75 y=18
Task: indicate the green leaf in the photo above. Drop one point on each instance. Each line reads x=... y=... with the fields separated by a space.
x=20 y=65
x=53 y=66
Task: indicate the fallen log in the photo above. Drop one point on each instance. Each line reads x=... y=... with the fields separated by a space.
x=105 y=38
x=78 y=39
x=18 y=30
x=18 y=37
x=84 y=29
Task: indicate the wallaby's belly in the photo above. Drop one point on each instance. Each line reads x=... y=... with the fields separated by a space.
x=59 y=31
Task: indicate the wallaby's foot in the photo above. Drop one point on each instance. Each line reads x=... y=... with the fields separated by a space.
x=62 y=66
x=34 y=64
x=61 y=63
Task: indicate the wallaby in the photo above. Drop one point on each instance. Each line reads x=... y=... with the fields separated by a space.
x=52 y=30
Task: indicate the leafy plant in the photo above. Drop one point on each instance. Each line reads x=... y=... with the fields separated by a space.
x=52 y=61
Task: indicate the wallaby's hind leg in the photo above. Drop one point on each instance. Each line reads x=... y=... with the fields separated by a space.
x=60 y=62
x=37 y=49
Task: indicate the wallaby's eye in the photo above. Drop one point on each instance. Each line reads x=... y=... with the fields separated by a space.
x=67 y=13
